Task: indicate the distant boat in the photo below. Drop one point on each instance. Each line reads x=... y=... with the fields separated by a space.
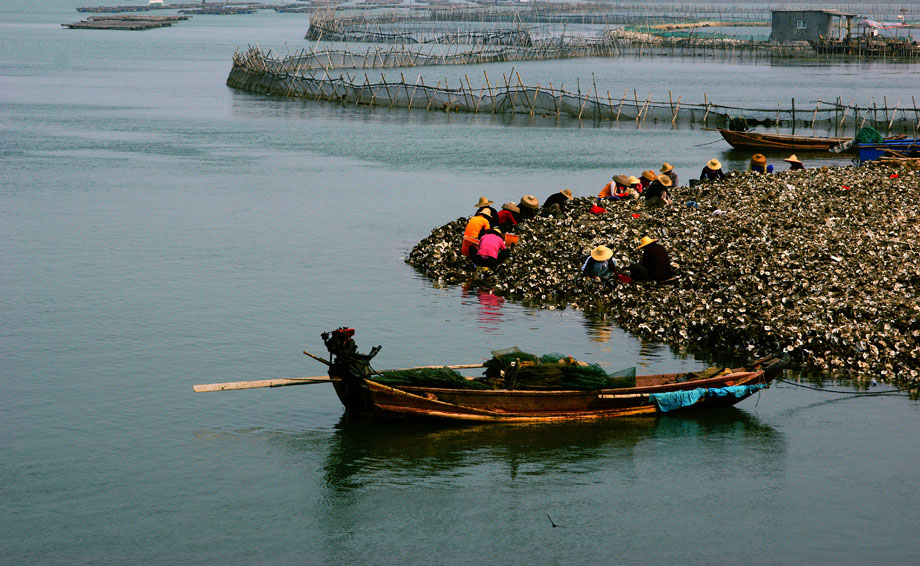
x=762 y=141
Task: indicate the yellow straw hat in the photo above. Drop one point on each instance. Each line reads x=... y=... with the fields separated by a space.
x=667 y=168
x=634 y=180
x=530 y=201
x=483 y=201
x=792 y=159
x=601 y=253
x=621 y=179
x=496 y=230
x=511 y=207
x=645 y=241
x=485 y=212
x=650 y=175
x=665 y=180
x=567 y=193
x=758 y=159
x=714 y=164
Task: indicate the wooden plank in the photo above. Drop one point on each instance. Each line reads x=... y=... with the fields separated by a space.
x=255 y=384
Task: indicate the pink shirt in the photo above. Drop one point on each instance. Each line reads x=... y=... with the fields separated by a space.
x=490 y=245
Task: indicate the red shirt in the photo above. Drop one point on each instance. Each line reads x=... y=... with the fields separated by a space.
x=506 y=217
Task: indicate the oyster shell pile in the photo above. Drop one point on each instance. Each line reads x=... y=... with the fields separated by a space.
x=823 y=264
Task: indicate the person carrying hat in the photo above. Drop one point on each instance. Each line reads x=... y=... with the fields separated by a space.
x=555 y=203
x=529 y=207
x=794 y=163
x=668 y=169
x=599 y=264
x=477 y=225
x=759 y=164
x=656 y=195
x=712 y=171
x=492 y=250
x=655 y=264
x=486 y=203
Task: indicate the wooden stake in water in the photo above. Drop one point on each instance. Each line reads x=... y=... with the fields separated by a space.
x=891 y=122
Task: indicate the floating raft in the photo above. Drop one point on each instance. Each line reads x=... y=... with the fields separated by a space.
x=132 y=23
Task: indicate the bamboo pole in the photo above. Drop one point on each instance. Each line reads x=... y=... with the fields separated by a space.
x=412 y=96
x=815 y=116
x=622 y=100
x=488 y=84
x=894 y=113
x=597 y=103
x=524 y=90
x=258 y=383
x=676 y=111
x=636 y=99
x=479 y=99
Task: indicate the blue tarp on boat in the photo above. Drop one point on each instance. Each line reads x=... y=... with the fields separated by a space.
x=673 y=400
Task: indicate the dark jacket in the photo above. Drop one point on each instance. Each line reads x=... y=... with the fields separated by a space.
x=710 y=175
x=556 y=198
x=655 y=259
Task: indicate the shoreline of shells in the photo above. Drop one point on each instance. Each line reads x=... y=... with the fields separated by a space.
x=823 y=264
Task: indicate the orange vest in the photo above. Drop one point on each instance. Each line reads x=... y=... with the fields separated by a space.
x=605 y=192
x=473 y=228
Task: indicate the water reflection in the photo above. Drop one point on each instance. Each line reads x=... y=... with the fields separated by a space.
x=490 y=313
x=363 y=454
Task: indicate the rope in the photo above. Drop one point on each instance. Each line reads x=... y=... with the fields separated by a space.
x=863 y=393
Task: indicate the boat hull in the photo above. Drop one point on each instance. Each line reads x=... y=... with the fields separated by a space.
x=766 y=142
x=873 y=151
x=365 y=398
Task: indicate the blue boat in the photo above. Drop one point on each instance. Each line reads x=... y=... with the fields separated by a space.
x=872 y=151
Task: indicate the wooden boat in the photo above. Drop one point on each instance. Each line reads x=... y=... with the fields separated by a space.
x=762 y=141
x=901 y=148
x=364 y=397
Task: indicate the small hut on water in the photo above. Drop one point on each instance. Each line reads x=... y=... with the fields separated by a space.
x=789 y=26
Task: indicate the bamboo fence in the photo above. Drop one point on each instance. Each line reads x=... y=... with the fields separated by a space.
x=257 y=72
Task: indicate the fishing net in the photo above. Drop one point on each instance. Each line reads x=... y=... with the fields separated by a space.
x=868 y=135
x=514 y=369
x=427 y=377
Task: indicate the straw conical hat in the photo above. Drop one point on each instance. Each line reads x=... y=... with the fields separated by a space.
x=645 y=241
x=483 y=201
x=601 y=253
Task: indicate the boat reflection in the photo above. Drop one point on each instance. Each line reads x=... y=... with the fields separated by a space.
x=366 y=453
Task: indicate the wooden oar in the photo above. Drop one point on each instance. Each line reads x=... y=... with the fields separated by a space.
x=230 y=386
x=255 y=384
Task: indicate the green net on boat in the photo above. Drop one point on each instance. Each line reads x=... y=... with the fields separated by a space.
x=868 y=134
x=514 y=369
x=427 y=377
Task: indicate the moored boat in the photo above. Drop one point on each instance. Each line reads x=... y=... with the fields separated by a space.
x=904 y=148
x=764 y=141
x=507 y=399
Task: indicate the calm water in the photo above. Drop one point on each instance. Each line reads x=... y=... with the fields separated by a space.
x=161 y=230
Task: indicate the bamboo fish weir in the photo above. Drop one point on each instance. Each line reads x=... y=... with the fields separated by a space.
x=312 y=75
